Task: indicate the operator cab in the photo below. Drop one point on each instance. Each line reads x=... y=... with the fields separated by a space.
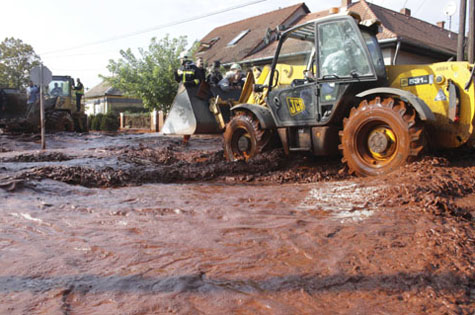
x=340 y=57
x=59 y=86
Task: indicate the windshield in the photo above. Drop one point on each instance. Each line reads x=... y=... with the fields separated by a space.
x=58 y=87
x=341 y=52
x=296 y=50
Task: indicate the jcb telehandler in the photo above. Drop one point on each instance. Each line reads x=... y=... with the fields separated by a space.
x=328 y=91
x=345 y=98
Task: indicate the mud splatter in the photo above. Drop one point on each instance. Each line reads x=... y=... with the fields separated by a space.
x=439 y=183
x=41 y=157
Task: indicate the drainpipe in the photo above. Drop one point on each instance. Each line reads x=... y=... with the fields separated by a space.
x=398 y=45
x=461 y=36
x=471 y=43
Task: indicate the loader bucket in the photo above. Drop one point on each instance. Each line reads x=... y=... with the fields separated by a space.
x=190 y=112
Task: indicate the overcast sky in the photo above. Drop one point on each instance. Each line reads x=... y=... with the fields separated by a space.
x=51 y=27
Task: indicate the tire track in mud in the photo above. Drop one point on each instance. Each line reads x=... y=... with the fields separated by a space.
x=440 y=180
x=166 y=165
x=41 y=157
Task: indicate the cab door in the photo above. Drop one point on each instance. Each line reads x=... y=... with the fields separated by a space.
x=342 y=59
x=294 y=101
x=295 y=106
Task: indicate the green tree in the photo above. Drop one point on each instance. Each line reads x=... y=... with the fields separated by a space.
x=194 y=48
x=150 y=75
x=16 y=61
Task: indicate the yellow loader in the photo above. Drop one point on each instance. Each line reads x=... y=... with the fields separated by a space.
x=61 y=112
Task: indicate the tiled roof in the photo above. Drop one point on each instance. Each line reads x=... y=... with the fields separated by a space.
x=270 y=49
x=258 y=26
x=408 y=28
x=394 y=25
x=103 y=89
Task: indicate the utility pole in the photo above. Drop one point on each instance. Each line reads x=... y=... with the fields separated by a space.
x=42 y=110
x=471 y=36
x=41 y=76
x=461 y=38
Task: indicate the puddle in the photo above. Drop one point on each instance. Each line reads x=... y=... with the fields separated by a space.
x=345 y=201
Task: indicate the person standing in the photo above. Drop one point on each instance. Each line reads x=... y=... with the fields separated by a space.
x=214 y=75
x=79 y=89
x=187 y=71
x=200 y=72
x=191 y=75
x=32 y=93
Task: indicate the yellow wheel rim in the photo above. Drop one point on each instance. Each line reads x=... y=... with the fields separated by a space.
x=382 y=143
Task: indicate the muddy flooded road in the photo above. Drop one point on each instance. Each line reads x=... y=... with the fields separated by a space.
x=140 y=224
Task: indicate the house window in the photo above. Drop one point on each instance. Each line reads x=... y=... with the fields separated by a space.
x=207 y=45
x=214 y=40
x=238 y=38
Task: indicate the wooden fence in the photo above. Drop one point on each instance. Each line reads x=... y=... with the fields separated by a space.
x=152 y=121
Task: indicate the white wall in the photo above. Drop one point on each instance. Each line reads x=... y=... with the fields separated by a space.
x=95 y=106
x=405 y=58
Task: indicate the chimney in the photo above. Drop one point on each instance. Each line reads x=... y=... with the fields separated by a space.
x=345 y=3
x=405 y=11
x=441 y=24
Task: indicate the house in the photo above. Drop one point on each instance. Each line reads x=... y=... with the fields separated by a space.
x=253 y=41
x=103 y=98
x=236 y=41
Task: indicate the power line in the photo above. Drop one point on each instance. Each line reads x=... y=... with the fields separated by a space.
x=82 y=54
x=420 y=7
x=75 y=70
x=198 y=17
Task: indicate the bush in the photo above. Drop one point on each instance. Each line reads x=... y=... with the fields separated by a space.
x=110 y=122
x=96 y=122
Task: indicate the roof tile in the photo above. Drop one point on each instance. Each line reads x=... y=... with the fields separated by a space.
x=257 y=25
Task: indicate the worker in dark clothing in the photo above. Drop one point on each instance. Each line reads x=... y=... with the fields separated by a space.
x=200 y=73
x=214 y=75
x=187 y=73
x=79 y=89
x=191 y=75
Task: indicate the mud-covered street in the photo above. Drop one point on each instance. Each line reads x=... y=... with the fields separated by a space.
x=141 y=224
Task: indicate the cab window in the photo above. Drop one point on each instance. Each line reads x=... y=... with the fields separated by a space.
x=341 y=52
x=58 y=88
x=375 y=52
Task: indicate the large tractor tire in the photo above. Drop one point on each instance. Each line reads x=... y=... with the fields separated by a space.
x=59 y=121
x=379 y=136
x=244 y=138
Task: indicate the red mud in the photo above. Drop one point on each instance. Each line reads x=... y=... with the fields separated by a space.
x=145 y=225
